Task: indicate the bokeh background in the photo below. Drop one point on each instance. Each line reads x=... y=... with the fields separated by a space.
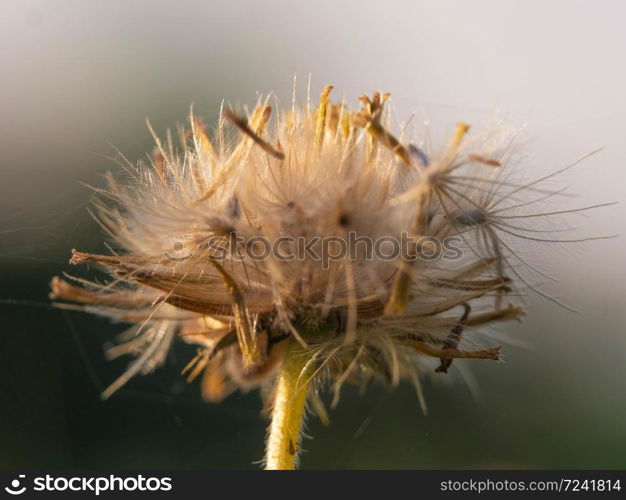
x=78 y=76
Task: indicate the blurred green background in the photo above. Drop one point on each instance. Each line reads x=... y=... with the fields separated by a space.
x=77 y=76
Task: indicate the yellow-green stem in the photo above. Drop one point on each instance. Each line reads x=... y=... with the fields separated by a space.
x=292 y=388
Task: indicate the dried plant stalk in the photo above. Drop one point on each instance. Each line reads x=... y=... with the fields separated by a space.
x=288 y=408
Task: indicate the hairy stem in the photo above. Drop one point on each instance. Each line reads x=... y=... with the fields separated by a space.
x=292 y=388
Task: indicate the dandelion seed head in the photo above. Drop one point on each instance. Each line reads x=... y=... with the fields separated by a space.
x=188 y=226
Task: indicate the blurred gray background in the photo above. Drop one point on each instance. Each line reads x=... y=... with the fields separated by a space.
x=77 y=76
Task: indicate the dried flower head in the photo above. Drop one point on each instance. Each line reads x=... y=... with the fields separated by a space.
x=318 y=233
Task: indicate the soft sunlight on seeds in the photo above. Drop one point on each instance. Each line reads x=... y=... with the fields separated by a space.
x=311 y=250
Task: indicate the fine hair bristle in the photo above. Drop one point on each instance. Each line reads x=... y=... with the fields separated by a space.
x=185 y=224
